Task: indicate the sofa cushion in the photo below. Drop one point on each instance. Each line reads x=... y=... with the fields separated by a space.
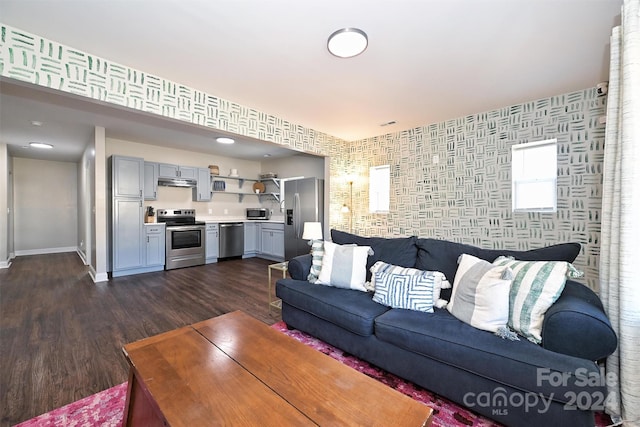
x=352 y=310
x=399 y=251
x=442 y=255
x=480 y=295
x=344 y=266
x=519 y=364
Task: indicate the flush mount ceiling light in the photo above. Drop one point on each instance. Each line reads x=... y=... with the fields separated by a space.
x=225 y=140
x=347 y=42
x=40 y=145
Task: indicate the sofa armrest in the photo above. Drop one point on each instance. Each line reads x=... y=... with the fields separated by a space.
x=577 y=325
x=300 y=266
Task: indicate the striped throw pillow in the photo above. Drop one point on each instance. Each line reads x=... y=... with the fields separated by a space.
x=408 y=291
x=536 y=286
x=317 y=253
x=344 y=266
x=480 y=295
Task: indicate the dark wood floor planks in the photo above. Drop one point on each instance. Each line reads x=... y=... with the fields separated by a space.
x=61 y=335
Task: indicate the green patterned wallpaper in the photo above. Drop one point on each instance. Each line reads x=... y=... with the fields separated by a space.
x=466 y=197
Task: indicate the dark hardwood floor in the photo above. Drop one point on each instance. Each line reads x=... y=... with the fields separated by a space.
x=61 y=335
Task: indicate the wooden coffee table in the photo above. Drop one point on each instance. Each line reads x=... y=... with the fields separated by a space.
x=236 y=370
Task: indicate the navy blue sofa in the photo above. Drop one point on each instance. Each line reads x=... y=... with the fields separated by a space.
x=517 y=383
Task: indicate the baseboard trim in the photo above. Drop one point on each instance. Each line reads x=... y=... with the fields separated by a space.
x=46 y=251
x=82 y=256
x=5 y=264
x=98 y=277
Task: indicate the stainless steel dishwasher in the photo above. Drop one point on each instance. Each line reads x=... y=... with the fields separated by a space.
x=231 y=239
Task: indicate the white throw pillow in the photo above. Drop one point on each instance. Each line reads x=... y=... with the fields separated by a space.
x=344 y=266
x=480 y=295
x=536 y=286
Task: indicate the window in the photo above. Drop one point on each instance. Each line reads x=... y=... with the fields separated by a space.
x=379 y=187
x=534 y=172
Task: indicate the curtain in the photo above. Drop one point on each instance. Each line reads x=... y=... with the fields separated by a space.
x=620 y=234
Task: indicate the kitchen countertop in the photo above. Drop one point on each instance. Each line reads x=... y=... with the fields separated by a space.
x=218 y=219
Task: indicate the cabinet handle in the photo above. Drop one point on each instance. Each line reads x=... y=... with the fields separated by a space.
x=140 y=193
x=147 y=239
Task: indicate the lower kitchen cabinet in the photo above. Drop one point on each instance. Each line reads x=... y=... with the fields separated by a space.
x=272 y=241
x=137 y=247
x=155 y=246
x=251 y=239
x=212 y=243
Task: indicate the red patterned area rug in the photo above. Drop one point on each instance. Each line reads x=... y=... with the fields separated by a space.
x=106 y=408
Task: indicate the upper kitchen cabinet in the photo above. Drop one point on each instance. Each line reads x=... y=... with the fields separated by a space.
x=202 y=192
x=128 y=176
x=166 y=170
x=150 y=181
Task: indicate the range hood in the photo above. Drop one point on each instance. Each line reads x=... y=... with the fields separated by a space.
x=177 y=182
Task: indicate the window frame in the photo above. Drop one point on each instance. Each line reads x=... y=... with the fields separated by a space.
x=376 y=205
x=519 y=179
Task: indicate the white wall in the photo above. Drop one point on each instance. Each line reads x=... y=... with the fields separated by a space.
x=100 y=209
x=4 y=207
x=45 y=206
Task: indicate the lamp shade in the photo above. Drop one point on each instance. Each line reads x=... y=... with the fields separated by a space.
x=312 y=231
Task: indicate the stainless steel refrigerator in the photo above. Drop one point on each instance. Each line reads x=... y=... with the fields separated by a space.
x=303 y=202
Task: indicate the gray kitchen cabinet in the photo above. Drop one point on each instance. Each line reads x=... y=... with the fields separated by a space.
x=212 y=242
x=166 y=170
x=155 y=245
x=128 y=240
x=128 y=249
x=127 y=176
x=251 y=239
x=202 y=192
x=272 y=241
x=150 y=181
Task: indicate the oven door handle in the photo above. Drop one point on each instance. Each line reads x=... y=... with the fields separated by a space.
x=185 y=227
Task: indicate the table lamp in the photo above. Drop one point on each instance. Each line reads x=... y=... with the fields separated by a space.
x=312 y=231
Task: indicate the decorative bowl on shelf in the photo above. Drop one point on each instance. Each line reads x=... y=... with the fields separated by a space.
x=268 y=175
x=259 y=187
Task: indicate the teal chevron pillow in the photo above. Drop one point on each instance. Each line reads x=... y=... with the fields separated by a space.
x=408 y=291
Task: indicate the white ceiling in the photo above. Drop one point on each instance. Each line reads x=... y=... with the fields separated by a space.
x=427 y=60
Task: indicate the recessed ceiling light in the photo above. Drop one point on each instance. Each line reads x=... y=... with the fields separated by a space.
x=267 y=155
x=40 y=145
x=347 y=42
x=225 y=140
x=36 y=123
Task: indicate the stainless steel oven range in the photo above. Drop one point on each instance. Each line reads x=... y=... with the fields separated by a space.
x=185 y=238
